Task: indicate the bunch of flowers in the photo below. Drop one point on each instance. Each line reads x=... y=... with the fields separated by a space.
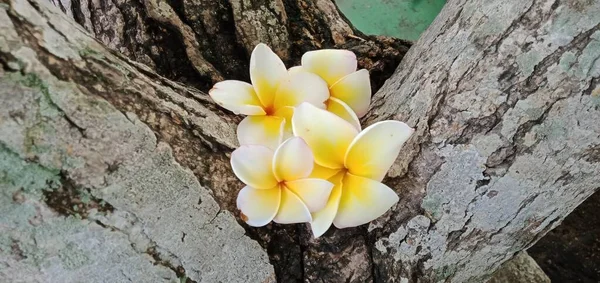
x=303 y=155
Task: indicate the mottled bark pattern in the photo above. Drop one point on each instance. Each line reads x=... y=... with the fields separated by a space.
x=88 y=191
x=504 y=97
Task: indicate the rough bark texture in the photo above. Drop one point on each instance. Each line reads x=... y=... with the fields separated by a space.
x=200 y=42
x=520 y=269
x=108 y=165
x=132 y=212
x=505 y=99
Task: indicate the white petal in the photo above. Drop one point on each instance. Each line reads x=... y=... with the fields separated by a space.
x=261 y=130
x=236 y=96
x=330 y=64
x=301 y=87
x=292 y=209
x=375 y=149
x=258 y=207
x=295 y=69
x=293 y=160
x=363 y=200
x=313 y=192
x=354 y=90
x=323 y=218
x=327 y=135
x=342 y=110
x=266 y=73
x=252 y=165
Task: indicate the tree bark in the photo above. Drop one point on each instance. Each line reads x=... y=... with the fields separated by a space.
x=111 y=171
x=505 y=99
x=200 y=42
x=520 y=269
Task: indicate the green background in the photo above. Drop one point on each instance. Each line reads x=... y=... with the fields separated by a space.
x=405 y=19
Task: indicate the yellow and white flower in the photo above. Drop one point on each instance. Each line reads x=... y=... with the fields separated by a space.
x=331 y=171
x=277 y=188
x=354 y=162
x=349 y=89
x=270 y=99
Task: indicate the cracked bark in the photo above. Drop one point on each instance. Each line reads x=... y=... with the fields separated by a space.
x=493 y=89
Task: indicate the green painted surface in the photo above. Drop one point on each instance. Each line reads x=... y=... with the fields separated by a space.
x=405 y=19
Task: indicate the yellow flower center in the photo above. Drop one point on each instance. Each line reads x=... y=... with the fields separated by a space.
x=270 y=110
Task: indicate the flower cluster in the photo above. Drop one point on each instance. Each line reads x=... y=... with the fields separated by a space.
x=303 y=155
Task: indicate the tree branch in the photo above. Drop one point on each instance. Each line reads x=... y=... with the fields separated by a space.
x=497 y=92
x=56 y=85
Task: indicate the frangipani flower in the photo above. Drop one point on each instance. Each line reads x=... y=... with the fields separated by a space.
x=270 y=99
x=355 y=162
x=349 y=89
x=277 y=185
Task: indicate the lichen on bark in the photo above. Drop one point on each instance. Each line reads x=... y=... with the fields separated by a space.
x=82 y=143
x=505 y=132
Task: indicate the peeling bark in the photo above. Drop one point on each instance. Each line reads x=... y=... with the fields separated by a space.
x=103 y=144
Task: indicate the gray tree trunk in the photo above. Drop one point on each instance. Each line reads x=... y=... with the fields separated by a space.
x=112 y=172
